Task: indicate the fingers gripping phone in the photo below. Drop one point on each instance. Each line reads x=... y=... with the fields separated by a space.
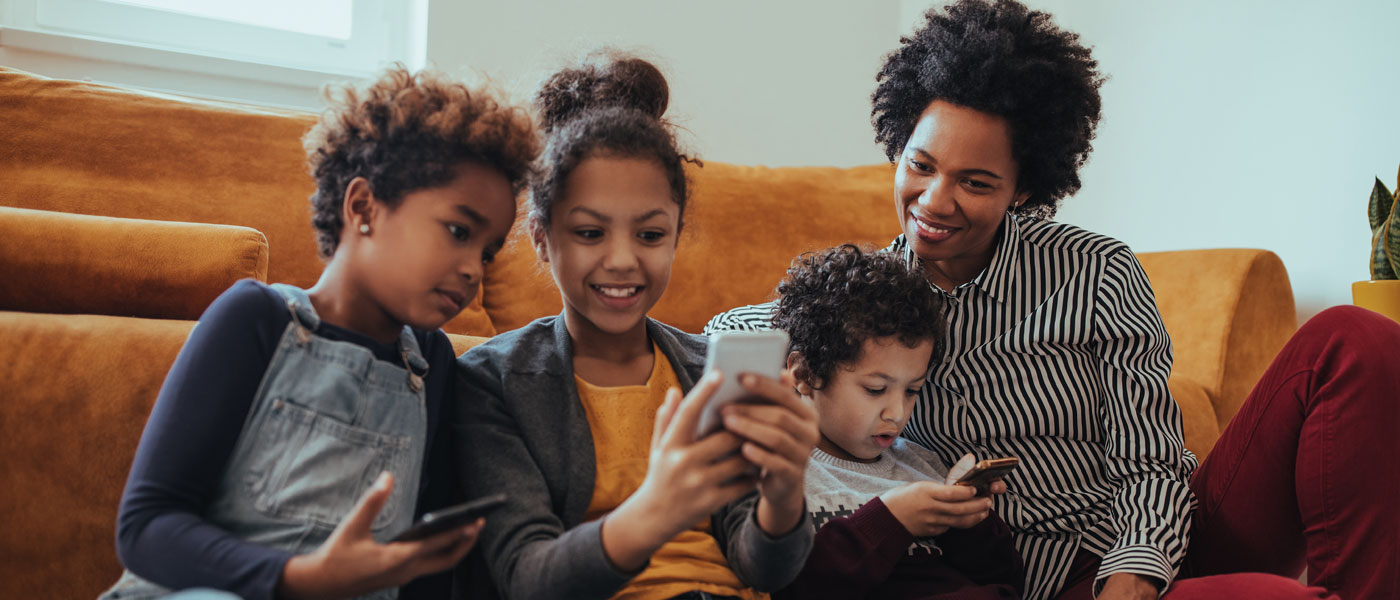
x=985 y=472
x=733 y=353
x=451 y=517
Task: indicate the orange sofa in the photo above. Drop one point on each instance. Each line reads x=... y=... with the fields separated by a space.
x=124 y=213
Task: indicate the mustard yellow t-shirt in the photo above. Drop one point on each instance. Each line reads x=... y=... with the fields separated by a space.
x=621 y=420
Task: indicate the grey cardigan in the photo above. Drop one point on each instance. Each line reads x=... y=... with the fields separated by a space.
x=522 y=431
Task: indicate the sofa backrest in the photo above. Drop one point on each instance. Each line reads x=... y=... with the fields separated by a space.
x=93 y=149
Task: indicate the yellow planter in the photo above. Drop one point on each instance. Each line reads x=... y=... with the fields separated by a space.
x=1382 y=296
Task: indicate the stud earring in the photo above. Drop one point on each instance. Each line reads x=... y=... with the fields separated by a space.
x=364 y=228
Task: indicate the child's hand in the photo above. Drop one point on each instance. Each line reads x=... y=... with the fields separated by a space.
x=350 y=563
x=928 y=508
x=687 y=479
x=778 y=439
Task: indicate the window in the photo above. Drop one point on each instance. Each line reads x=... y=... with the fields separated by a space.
x=342 y=37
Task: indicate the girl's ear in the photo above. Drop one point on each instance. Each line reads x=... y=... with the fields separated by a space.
x=539 y=240
x=797 y=368
x=357 y=209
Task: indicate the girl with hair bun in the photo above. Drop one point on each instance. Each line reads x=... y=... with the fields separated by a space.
x=580 y=419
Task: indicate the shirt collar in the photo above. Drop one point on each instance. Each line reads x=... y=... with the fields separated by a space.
x=996 y=280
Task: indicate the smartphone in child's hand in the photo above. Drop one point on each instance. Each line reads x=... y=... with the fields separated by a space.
x=984 y=473
x=451 y=517
x=734 y=353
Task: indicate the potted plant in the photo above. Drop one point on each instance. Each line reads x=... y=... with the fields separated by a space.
x=1382 y=292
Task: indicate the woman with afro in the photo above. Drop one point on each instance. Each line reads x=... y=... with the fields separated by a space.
x=1056 y=352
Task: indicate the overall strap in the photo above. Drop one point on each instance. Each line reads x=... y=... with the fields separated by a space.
x=304 y=315
x=412 y=358
x=305 y=319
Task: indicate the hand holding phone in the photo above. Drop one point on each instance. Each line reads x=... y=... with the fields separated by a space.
x=442 y=520
x=734 y=353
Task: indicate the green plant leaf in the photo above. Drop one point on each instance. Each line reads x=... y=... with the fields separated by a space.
x=1380 y=263
x=1379 y=208
x=1390 y=238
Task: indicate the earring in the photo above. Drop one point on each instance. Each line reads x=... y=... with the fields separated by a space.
x=364 y=228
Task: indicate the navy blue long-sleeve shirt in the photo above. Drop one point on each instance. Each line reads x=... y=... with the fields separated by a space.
x=190 y=436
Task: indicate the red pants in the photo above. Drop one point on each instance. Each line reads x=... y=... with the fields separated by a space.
x=1306 y=474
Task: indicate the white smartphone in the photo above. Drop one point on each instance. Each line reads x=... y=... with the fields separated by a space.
x=736 y=352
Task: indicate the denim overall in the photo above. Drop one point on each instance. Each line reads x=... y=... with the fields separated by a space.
x=326 y=420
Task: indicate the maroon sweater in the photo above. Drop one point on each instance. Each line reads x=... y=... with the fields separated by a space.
x=867 y=555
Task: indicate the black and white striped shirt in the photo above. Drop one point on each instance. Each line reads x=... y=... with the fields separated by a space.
x=1056 y=354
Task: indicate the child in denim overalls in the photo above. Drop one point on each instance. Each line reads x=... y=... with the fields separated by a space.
x=285 y=406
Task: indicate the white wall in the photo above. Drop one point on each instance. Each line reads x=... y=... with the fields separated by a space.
x=775 y=82
x=1241 y=124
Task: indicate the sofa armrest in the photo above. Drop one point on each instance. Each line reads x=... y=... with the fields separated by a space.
x=1228 y=312
x=1198 y=424
x=57 y=262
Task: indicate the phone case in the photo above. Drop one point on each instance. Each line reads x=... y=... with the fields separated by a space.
x=734 y=352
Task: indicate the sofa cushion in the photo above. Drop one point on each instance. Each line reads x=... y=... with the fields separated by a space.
x=66 y=263
x=77 y=391
x=743 y=227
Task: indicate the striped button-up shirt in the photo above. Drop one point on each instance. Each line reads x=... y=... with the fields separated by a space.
x=1056 y=354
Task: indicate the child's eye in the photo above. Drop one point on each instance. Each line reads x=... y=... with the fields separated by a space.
x=589 y=234
x=488 y=257
x=459 y=232
x=652 y=236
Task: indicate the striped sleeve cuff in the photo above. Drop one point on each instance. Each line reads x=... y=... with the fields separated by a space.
x=1146 y=560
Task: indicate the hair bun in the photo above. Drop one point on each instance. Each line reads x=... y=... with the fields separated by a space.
x=621 y=82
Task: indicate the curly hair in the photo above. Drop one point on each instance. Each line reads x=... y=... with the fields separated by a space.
x=833 y=300
x=404 y=132
x=609 y=105
x=1005 y=59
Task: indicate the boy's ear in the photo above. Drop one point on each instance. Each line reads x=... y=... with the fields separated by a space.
x=538 y=239
x=358 y=206
x=797 y=368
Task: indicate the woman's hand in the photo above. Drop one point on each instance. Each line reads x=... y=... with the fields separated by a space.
x=778 y=438
x=350 y=563
x=929 y=508
x=687 y=479
x=1128 y=586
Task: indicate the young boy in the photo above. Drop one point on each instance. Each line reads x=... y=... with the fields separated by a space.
x=863 y=330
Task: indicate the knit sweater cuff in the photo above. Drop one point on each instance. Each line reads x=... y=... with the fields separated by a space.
x=880 y=527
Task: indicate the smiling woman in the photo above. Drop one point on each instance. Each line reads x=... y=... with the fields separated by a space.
x=1057 y=354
